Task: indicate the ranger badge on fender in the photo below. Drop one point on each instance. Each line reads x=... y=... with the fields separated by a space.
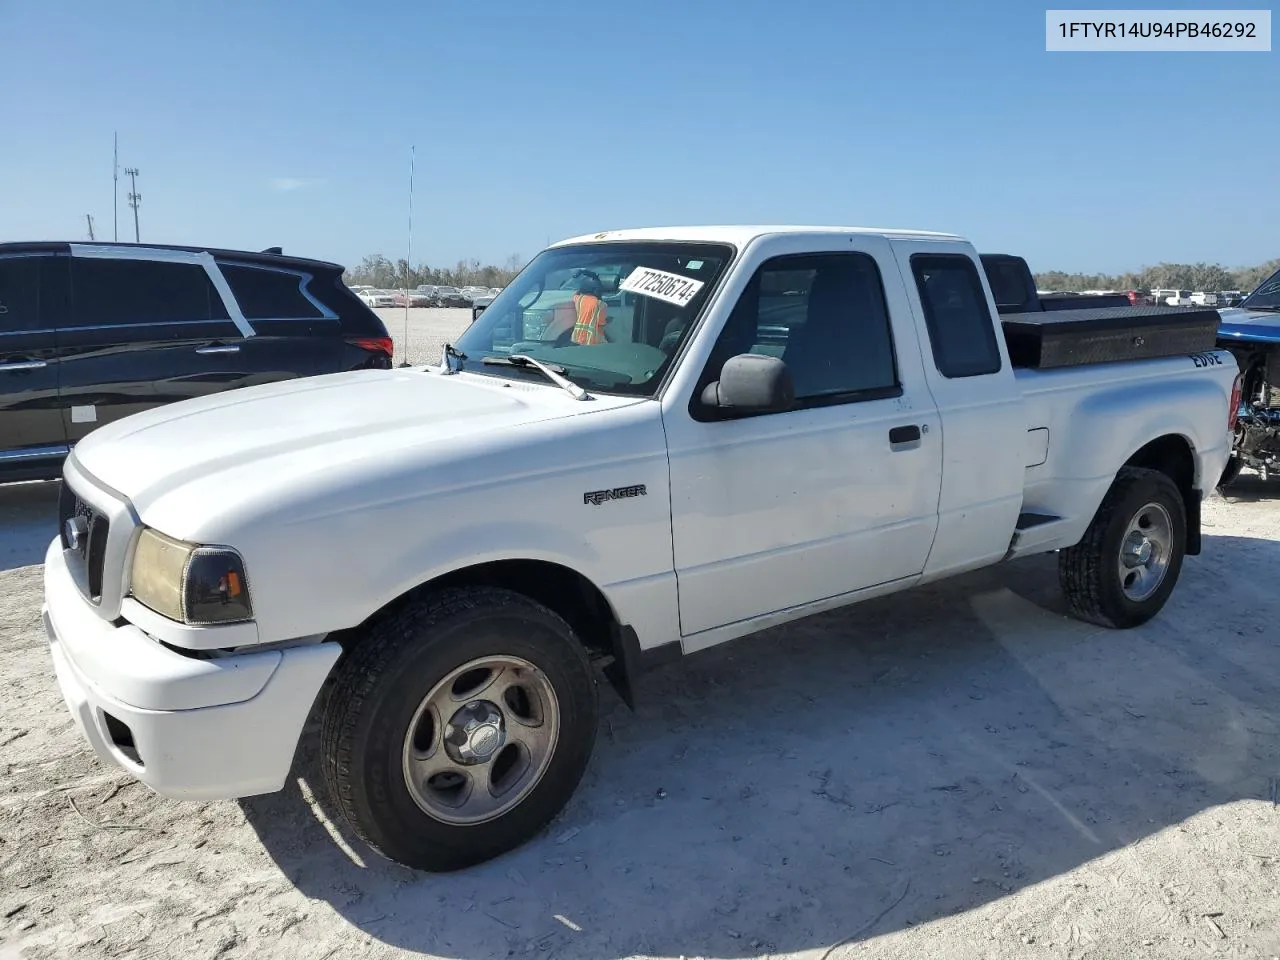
x=598 y=497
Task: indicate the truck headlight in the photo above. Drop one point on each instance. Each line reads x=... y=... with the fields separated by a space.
x=189 y=583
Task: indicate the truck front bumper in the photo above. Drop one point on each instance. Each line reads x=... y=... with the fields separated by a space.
x=188 y=727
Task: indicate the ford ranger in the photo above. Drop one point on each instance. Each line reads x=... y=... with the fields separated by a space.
x=651 y=442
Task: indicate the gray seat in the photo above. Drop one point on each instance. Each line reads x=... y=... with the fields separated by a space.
x=843 y=346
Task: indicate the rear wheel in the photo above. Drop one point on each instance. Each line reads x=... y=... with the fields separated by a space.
x=459 y=727
x=1122 y=571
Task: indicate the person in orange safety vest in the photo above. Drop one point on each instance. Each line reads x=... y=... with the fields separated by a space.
x=590 y=312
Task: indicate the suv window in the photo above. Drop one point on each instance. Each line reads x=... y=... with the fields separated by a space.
x=961 y=330
x=19 y=295
x=825 y=316
x=268 y=294
x=110 y=292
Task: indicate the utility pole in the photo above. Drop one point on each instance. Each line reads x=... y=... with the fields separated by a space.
x=89 y=218
x=134 y=198
x=115 y=189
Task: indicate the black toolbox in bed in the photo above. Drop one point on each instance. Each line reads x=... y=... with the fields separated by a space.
x=1071 y=338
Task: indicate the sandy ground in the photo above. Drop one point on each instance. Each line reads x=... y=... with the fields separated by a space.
x=428 y=329
x=957 y=772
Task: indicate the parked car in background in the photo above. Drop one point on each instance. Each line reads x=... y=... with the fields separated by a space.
x=1230 y=298
x=412 y=298
x=479 y=304
x=1172 y=298
x=450 y=297
x=378 y=298
x=91 y=333
x=1202 y=298
x=1252 y=333
x=429 y=290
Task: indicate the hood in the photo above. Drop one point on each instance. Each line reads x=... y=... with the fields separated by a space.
x=1258 y=326
x=283 y=435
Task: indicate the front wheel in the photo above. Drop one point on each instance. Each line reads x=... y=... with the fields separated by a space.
x=1125 y=566
x=459 y=727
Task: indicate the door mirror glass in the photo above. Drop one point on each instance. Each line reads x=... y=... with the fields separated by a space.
x=751 y=383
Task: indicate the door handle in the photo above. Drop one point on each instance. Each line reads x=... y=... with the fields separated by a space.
x=24 y=365
x=219 y=348
x=901 y=435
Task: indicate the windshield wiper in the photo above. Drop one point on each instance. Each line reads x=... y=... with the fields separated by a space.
x=552 y=373
x=449 y=354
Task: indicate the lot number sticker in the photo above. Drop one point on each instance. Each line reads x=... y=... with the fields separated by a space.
x=661 y=285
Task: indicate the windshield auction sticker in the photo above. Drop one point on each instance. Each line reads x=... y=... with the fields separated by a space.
x=661 y=285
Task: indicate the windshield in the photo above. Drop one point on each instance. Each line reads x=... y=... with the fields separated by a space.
x=611 y=315
x=1267 y=295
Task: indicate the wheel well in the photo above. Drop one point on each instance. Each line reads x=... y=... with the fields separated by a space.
x=1172 y=455
x=610 y=644
x=567 y=592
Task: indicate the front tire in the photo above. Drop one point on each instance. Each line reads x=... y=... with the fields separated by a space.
x=458 y=727
x=1125 y=566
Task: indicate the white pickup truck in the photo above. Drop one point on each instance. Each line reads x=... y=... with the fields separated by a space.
x=652 y=441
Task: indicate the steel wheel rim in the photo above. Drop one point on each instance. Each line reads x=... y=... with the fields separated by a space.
x=480 y=740
x=1146 y=550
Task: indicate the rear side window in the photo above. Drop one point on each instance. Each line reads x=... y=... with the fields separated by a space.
x=961 y=329
x=265 y=293
x=108 y=292
x=1008 y=285
x=19 y=295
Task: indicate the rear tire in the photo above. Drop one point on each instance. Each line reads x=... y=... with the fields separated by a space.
x=429 y=703
x=1125 y=566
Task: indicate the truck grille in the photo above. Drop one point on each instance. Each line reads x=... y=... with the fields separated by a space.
x=83 y=531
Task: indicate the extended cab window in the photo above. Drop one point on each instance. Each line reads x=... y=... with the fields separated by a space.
x=110 y=292
x=267 y=294
x=825 y=316
x=19 y=295
x=961 y=329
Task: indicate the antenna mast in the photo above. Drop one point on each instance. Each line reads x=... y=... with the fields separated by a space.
x=408 y=259
x=89 y=217
x=115 y=188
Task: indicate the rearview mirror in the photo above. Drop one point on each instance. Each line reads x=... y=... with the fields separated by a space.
x=751 y=383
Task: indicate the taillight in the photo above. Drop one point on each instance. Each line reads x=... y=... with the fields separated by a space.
x=374 y=344
x=1234 y=411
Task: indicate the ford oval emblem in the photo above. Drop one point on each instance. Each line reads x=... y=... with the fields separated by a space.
x=75 y=529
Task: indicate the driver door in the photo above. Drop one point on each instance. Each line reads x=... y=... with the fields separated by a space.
x=773 y=512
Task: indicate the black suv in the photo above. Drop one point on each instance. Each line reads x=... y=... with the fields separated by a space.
x=90 y=333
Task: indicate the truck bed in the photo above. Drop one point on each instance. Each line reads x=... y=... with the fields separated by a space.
x=1068 y=338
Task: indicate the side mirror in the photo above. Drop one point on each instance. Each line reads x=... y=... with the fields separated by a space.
x=751 y=383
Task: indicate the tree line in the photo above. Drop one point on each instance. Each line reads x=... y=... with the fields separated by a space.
x=1163 y=276
x=377 y=271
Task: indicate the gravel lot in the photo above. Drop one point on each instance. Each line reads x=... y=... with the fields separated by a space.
x=429 y=329
x=956 y=772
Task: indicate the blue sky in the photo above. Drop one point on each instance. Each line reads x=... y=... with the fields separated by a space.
x=273 y=122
